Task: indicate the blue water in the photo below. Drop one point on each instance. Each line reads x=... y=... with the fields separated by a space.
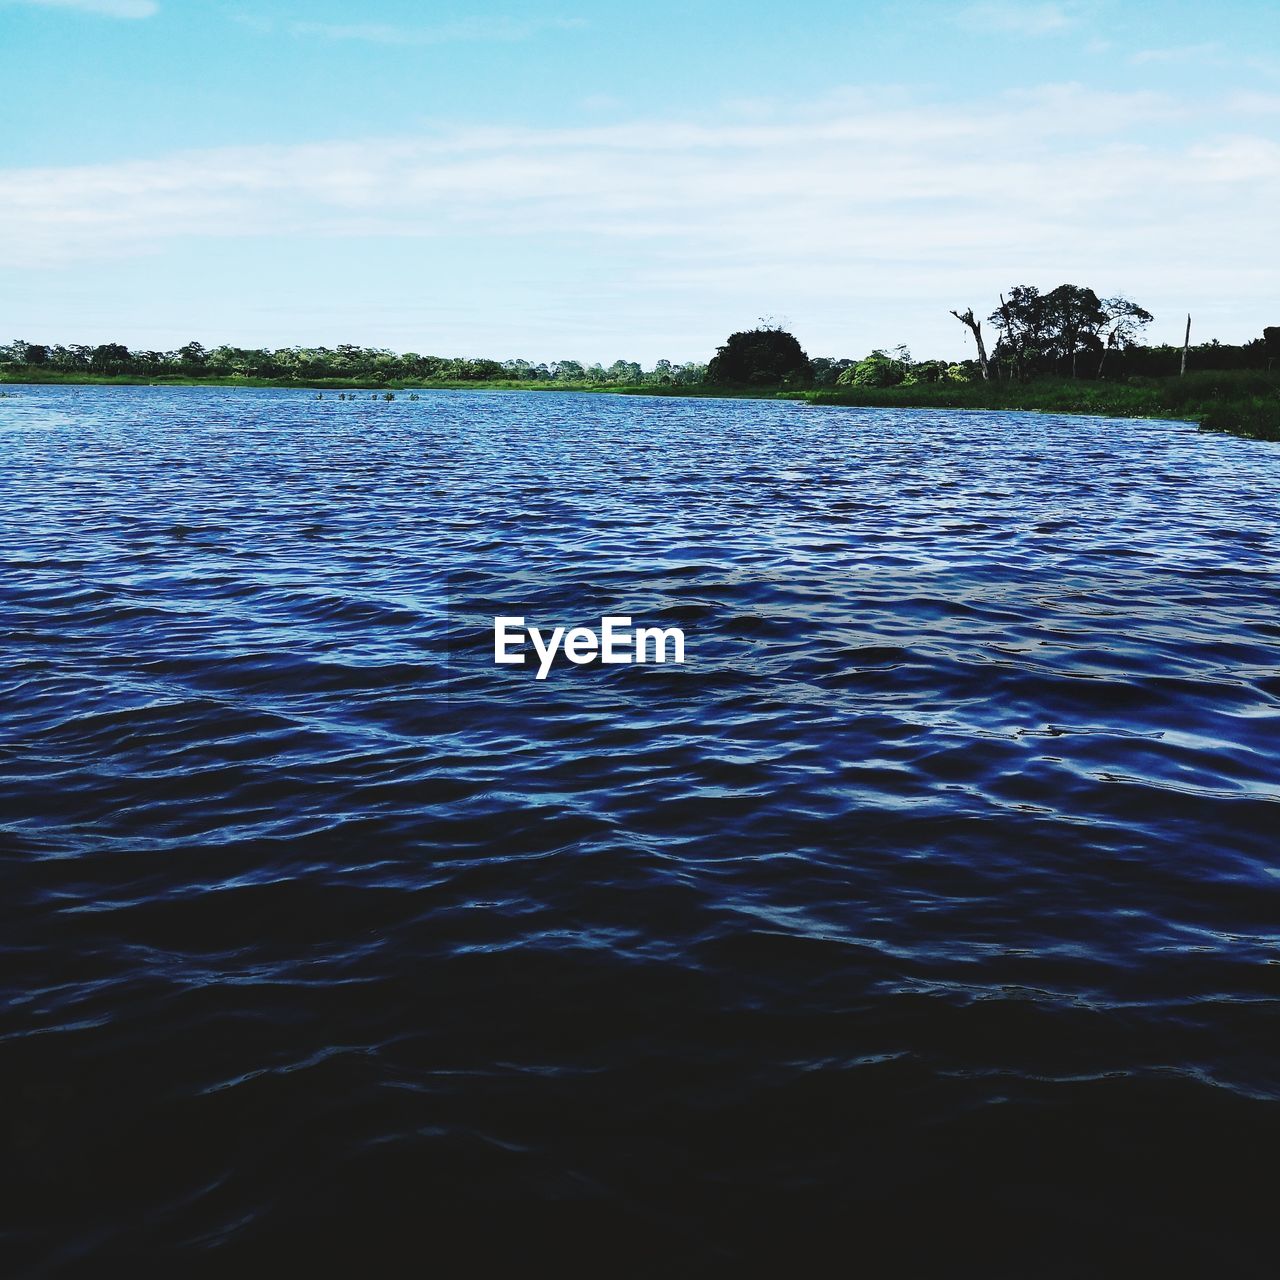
x=931 y=909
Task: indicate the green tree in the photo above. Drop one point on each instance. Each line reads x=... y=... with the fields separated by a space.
x=1040 y=333
x=879 y=369
x=17 y=352
x=192 y=357
x=624 y=371
x=927 y=371
x=826 y=372
x=1073 y=317
x=766 y=356
x=110 y=358
x=1020 y=321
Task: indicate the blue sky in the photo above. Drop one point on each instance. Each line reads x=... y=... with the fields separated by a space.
x=603 y=180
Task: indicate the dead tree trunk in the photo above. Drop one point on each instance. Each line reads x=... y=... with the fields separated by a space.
x=976 y=327
x=1186 y=342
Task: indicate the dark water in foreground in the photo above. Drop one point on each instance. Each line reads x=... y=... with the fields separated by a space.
x=931 y=910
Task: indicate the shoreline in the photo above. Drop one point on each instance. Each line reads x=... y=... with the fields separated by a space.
x=1221 y=403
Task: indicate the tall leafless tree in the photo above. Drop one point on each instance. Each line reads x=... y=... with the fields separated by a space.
x=976 y=327
x=1125 y=322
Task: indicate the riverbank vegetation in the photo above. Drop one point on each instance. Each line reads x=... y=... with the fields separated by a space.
x=1238 y=401
x=1069 y=350
x=343 y=366
x=1065 y=351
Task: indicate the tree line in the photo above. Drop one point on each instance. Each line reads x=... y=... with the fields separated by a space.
x=344 y=363
x=1070 y=331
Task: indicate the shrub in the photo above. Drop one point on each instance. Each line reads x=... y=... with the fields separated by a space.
x=761 y=357
x=877 y=370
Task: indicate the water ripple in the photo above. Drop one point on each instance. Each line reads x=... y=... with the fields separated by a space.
x=940 y=885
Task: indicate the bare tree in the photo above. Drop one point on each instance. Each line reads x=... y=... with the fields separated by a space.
x=976 y=327
x=1186 y=342
x=1125 y=321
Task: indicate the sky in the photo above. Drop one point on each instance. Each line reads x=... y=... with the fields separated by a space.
x=564 y=179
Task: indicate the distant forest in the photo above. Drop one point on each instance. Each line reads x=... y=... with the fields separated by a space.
x=1068 y=332
x=371 y=365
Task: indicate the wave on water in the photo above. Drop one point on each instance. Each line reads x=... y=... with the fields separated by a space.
x=929 y=911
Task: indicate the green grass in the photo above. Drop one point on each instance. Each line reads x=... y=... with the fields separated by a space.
x=52 y=377
x=1239 y=402
x=57 y=378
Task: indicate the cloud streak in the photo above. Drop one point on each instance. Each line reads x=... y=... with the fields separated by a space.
x=1018 y=19
x=478 y=30
x=1178 y=54
x=810 y=212
x=103 y=8
x=679 y=180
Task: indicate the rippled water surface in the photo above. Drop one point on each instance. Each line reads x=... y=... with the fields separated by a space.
x=931 y=907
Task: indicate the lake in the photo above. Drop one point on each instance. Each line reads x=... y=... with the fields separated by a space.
x=930 y=909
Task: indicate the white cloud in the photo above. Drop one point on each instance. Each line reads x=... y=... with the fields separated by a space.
x=1239 y=160
x=106 y=8
x=818 y=212
x=897 y=183
x=479 y=29
x=1178 y=54
x=1256 y=104
x=1018 y=19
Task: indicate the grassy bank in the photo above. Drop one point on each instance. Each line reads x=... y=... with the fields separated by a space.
x=1240 y=402
x=42 y=377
